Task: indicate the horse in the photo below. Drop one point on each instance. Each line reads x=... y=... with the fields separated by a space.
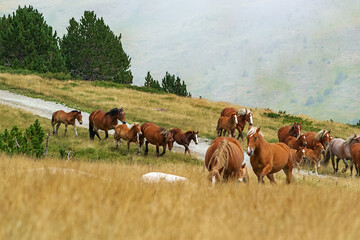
x=243 y=115
x=298 y=156
x=312 y=138
x=268 y=158
x=342 y=150
x=224 y=159
x=122 y=131
x=60 y=116
x=155 y=135
x=314 y=156
x=106 y=121
x=286 y=131
x=228 y=124
x=184 y=138
x=296 y=143
x=355 y=155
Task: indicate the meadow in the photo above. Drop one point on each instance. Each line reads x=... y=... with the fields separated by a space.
x=99 y=193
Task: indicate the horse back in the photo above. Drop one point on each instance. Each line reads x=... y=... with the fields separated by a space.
x=152 y=134
x=282 y=133
x=121 y=130
x=228 y=112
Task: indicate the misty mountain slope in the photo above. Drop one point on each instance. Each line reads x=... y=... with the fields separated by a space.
x=298 y=56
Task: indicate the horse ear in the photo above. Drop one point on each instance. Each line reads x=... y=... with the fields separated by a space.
x=329 y=131
x=244 y=165
x=197 y=132
x=258 y=130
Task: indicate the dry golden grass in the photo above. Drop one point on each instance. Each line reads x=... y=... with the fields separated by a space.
x=185 y=113
x=110 y=201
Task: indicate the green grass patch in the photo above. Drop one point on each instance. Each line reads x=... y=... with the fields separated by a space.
x=123 y=86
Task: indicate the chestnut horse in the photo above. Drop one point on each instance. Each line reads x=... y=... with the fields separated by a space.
x=342 y=150
x=228 y=124
x=224 y=158
x=298 y=156
x=106 y=121
x=286 y=131
x=122 y=131
x=314 y=156
x=60 y=116
x=155 y=135
x=184 y=138
x=268 y=158
x=312 y=138
x=296 y=143
x=355 y=155
x=243 y=116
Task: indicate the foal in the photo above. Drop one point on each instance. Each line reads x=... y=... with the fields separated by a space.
x=298 y=157
x=184 y=138
x=129 y=134
x=228 y=124
x=314 y=156
x=69 y=118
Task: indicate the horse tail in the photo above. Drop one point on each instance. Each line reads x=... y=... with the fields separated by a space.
x=221 y=156
x=327 y=155
x=91 y=131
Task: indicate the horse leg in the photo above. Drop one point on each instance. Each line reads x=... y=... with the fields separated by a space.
x=106 y=134
x=116 y=144
x=76 y=134
x=53 y=126
x=146 y=147
x=240 y=135
x=164 y=149
x=346 y=166
x=316 y=167
x=128 y=146
x=351 y=168
x=57 y=127
x=271 y=178
x=265 y=171
x=97 y=133
x=337 y=164
x=65 y=129
x=157 y=150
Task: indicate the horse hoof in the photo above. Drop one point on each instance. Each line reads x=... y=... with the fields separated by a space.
x=344 y=170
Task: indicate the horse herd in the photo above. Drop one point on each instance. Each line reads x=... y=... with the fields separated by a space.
x=224 y=158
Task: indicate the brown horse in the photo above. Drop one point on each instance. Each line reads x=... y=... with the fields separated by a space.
x=286 y=131
x=224 y=158
x=228 y=124
x=184 y=138
x=296 y=143
x=106 y=121
x=268 y=158
x=342 y=150
x=314 y=156
x=122 y=131
x=155 y=135
x=355 y=155
x=243 y=116
x=60 y=116
x=298 y=156
x=312 y=138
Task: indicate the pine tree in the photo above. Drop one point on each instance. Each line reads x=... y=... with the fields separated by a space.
x=93 y=52
x=27 y=42
x=170 y=84
x=148 y=80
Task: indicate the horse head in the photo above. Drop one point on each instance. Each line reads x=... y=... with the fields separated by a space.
x=243 y=174
x=296 y=129
x=253 y=137
x=249 y=117
x=79 y=117
x=302 y=139
x=121 y=115
x=326 y=137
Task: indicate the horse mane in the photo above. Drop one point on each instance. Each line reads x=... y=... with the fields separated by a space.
x=349 y=139
x=221 y=154
x=189 y=132
x=164 y=131
x=133 y=125
x=293 y=126
x=253 y=131
x=113 y=111
x=73 y=111
x=242 y=112
x=320 y=134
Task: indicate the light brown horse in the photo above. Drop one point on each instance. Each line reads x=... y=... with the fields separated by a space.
x=122 y=131
x=314 y=156
x=286 y=131
x=268 y=158
x=355 y=155
x=342 y=150
x=184 y=138
x=228 y=124
x=224 y=159
x=298 y=156
x=156 y=135
x=106 y=121
x=69 y=118
x=243 y=116
x=296 y=143
x=312 y=138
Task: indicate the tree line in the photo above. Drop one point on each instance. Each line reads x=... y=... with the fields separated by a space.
x=89 y=50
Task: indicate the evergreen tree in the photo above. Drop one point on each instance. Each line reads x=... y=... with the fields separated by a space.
x=27 y=42
x=93 y=52
x=170 y=84
x=151 y=83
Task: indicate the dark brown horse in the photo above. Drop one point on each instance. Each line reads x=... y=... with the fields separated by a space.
x=355 y=155
x=69 y=118
x=243 y=116
x=228 y=124
x=155 y=135
x=106 y=121
x=122 y=131
x=268 y=158
x=286 y=131
x=296 y=143
x=184 y=138
x=224 y=159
